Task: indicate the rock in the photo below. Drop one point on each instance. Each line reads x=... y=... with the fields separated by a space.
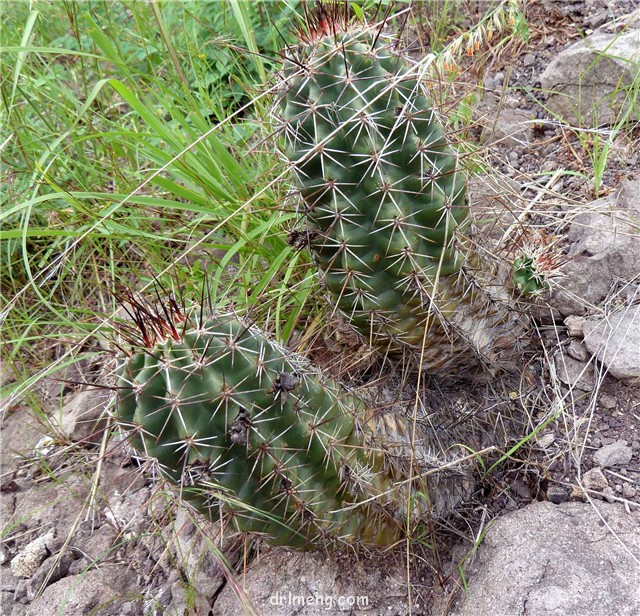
x=49 y=572
x=574 y=373
x=83 y=417
x=588 y=82
x=607 y=402
x=615 y=341
x=574 y=325
x=106 y=591
x=512 y=127
x=546 y=440
x=597 y=19
x=313 y=584
x=559 y=560
x=586 y=283
x=578 y=350
x=128 y=512
x=594 y=479
x=205 y=571
x=604 y=247
x=613 y=454
x=27 y=561
x=609 y=494
x=490 y=83
x=92 y=545
x=20 y=592
x=529 y=59
x=557 y=495
x=628 y=491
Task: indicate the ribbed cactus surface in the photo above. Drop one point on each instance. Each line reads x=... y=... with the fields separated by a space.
x=248 y=429
x=384 y=199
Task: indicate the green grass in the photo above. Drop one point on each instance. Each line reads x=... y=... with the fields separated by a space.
x=137 y=148
x=125 y=162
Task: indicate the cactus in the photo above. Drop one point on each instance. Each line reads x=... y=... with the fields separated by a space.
x=248 y=429
x=385 y=201
x=527 y=277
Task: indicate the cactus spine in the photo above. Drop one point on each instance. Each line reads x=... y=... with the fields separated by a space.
x=248 y=429
x=384 y=200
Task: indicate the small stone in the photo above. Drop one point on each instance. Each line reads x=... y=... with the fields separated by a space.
x=529 y=59
x=614 y=453
x=549 y=41
x=615 y=340
x=628 y=491
x=635 y=445
x=574 y=325
x=20 y=591
x=578 y=350
x=596 y=442
x=607 y=401
x=577 y=494
x=50 y=571
x=499 y=77
x=596 y=20
x=618 y=488
x=609 y=494
x=557 y=495
x=490 y=83
x=546 y=440
x=29 y=559
x=574 y=373
x=512 y=128
x=594 y=479
x=83 y=417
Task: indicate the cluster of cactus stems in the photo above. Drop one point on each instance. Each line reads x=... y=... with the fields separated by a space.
x=250 y=431
x=385 y=202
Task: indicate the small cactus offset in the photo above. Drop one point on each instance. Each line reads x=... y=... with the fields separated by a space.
x=385 y=200
x=248 y=429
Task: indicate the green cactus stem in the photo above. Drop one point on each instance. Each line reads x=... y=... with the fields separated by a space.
x=249 y=430
x=384 y=199
x=527 y=278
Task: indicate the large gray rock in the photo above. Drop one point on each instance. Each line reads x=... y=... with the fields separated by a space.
x=604 y=250
x=558 y=560
x=588 y=82
x=107 y=591
x=84 y=417
x=315 y=584
x=204 y=561
x=615 y=341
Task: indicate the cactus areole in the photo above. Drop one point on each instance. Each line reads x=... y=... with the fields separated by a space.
x=250 y=432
